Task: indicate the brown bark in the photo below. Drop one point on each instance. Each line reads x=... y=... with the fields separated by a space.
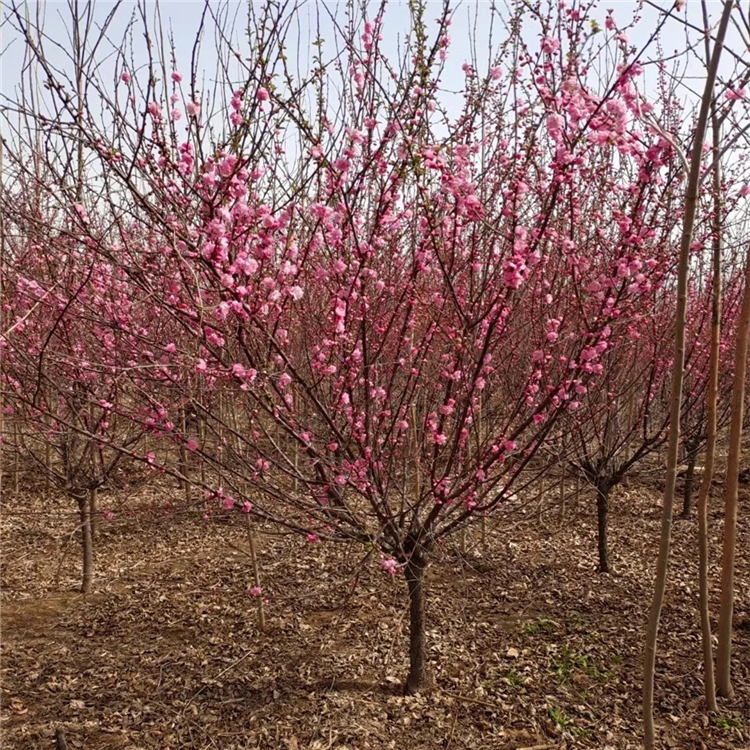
x=724 y=651
x=256 y=574
x=709 y=683
x=87 y=542
x=418 y=680
x=603 y=489
x=92 y=513
x=691 y=203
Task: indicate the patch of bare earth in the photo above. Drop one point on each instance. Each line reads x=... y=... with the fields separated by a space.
x=531 y=648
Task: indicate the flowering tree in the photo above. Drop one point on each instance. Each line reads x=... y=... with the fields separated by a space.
x=62 y=375
x=624 y=421
x=399 y=296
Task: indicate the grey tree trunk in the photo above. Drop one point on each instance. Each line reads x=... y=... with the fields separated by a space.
x=602 y=522
x=418 y=680
x=87 y=542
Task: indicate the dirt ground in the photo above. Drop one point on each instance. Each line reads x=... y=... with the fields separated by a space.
x=530 y=647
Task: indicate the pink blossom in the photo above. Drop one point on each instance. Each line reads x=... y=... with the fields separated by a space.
x=154 y=109
x=108 y=514
x=228 y=503
x=389 y=565
x=176 y=76
x=255 y=591
x=510 y=445
x=284 y=380
x=81 y=211
x=125 y=77
x=262 y=95
x=312 y=538
x=193 y=109
x=550 y=45
x=247 y=506
x=192 y=445
x=734 y=95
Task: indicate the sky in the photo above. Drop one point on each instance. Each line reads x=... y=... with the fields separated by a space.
x=179 y=21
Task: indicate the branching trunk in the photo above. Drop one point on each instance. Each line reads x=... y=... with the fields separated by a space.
x=418 y=680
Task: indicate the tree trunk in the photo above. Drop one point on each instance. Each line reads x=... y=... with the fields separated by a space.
x=724 y=651
x=683 y=268
x=687 y=493
x=418 y=680
x=87 y=542
x=709 y=681
x=92 y=513
x=256 y=574
x=602 y=518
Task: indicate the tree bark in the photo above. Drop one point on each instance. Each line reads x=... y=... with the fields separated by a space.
x=87 y=542
x=256 y=574
x=678 y=376
x=709 y=681
x=602 y=521
x=418 y=680
x=687 y=493
x=92 y=513
x=724 y=651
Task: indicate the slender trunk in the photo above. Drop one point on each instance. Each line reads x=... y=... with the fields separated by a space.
x=47 y=469
x=540 y=507
x=16 y=460
x=87 y=542
x=256 y=574
x=202 y=439
x=687 y=492
x=691 y=204
x=724 y=651
x=418 y=680
x=709 y=683
x=708 y=471
x=92 y=513
x=602 y=520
